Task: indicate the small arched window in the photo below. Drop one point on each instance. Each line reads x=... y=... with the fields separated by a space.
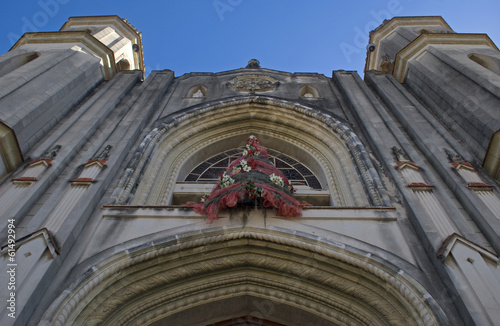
x=488 y=62
x=309 y=92
x=123 y=65
x=198 y=91
x=3 y=167
x=10 y=155
x=17 y=61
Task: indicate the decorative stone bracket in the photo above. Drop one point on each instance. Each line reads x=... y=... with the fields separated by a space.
x=474 y=182
x=78 y=187
x=410 y=171
x=424 y=192
x=470 y=175
x=36 y=168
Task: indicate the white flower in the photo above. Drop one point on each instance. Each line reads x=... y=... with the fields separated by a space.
x=226 y=180
x=277 y=180
x=236 y=169
x=244 y=166
x=245 y=152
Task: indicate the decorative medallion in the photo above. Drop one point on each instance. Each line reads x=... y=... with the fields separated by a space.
x=253 y=83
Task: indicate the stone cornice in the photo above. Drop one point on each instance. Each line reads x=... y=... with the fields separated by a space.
x=419 y=45
x=383 y=214
x=388 y=27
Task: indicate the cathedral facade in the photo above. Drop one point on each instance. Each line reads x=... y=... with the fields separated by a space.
x=100 y=169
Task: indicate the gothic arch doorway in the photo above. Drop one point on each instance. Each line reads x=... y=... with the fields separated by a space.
x=233 y=277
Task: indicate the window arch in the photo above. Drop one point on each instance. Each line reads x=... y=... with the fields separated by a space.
x=10 y=154
x=327 y=146
x=309 y=92
x=488 y=62
x=17 y=61
x=296 y=172
x=198 y=91
x=123 y=65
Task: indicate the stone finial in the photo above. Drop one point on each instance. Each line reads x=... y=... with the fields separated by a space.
x=453 y=157
x=253 y=64
x=400 y=155
x=51 y=153
x=104 y=154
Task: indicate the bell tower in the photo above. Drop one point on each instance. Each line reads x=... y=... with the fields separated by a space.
x=58 y=69
x=116 y=34
x=457 y=75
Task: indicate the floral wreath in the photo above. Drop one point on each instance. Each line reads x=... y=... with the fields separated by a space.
x=251 y=180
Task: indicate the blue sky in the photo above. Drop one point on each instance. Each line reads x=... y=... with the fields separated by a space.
x=219 y=35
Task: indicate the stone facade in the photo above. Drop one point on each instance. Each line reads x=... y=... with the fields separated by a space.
x=402 y=170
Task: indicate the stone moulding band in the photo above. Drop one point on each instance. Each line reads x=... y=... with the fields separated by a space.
x=383 y=214
x=417 y=301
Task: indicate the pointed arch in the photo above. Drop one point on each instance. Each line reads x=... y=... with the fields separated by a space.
x=309 y=92
x=231 y=272
x=123 y=65
x=198 y=91
x=10 y=64
x=487 y=61
x=182 y=140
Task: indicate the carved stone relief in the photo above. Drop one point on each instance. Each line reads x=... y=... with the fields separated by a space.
x=253 y=83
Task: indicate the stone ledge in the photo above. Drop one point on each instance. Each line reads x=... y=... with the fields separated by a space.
x=479 y=186
x=309 y=213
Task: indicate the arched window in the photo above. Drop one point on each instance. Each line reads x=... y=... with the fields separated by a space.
x=123 y=64
x=491 y=161
x=3 y=167
x=198 y=91
x=17 y=61
x=296 y=172
x=488 y=62
x=309 y=92
x=10 y=155
x=201 y=179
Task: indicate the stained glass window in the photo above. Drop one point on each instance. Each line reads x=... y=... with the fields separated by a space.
x=297 y=173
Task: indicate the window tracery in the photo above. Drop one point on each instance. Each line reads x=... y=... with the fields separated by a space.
x=209 y=170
